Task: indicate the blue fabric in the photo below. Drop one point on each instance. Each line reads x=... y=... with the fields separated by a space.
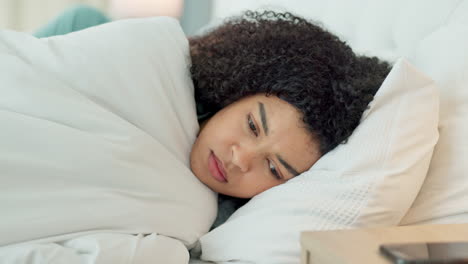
x=73 y=19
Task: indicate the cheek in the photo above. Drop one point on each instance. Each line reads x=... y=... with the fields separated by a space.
x=199 y=155
x=225 y=138
x=195 y=157
x=257 y=182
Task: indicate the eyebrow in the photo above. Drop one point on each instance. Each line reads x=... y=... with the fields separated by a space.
x=287 y=166
x=261 y=109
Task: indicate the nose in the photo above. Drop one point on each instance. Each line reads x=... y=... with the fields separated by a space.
x=243 y=157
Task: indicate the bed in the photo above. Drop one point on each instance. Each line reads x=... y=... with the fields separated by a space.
x=422 y=147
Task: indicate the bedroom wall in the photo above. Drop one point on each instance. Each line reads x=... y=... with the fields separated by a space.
x=28 y=15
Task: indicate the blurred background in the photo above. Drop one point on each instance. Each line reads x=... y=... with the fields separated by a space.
x=29 y=15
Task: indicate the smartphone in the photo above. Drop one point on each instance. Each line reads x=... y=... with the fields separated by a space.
x=427 y=253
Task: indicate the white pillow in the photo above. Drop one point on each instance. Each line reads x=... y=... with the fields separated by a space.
x=370 y=181
x=97 y=128
x=442 y=54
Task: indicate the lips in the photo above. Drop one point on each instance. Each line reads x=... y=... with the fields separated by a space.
x=216 y=168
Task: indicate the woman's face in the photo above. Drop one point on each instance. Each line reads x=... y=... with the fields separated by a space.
x=252 y=145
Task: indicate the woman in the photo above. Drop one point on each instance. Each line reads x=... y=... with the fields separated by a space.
x=274 y=93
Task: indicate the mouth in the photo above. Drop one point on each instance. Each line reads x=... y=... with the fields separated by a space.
x=216 y=168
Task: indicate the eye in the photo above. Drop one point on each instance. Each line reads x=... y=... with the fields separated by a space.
x=252 y=126
x=273 y=170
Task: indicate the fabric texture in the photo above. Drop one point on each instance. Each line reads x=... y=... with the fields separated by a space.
x=100 y=249
x=442 y=53
x=83 y=16
x=371 y=180
x=97 y=127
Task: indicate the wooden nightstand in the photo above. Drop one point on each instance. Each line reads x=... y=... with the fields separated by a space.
x=362 y=245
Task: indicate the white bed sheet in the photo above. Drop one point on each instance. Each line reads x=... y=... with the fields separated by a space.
x=103 y=248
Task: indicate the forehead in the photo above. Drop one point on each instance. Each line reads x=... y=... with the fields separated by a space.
x=287 y=135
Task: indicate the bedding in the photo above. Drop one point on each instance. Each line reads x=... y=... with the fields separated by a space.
x=97 y=127
x=101 y=248
x=441 y=52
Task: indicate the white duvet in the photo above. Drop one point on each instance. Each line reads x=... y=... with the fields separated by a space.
x=96 y=130
x=100 y=248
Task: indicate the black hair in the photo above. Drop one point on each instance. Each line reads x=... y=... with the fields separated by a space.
x=283 y=55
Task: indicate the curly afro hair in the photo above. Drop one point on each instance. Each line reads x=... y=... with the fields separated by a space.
x=289 y=57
